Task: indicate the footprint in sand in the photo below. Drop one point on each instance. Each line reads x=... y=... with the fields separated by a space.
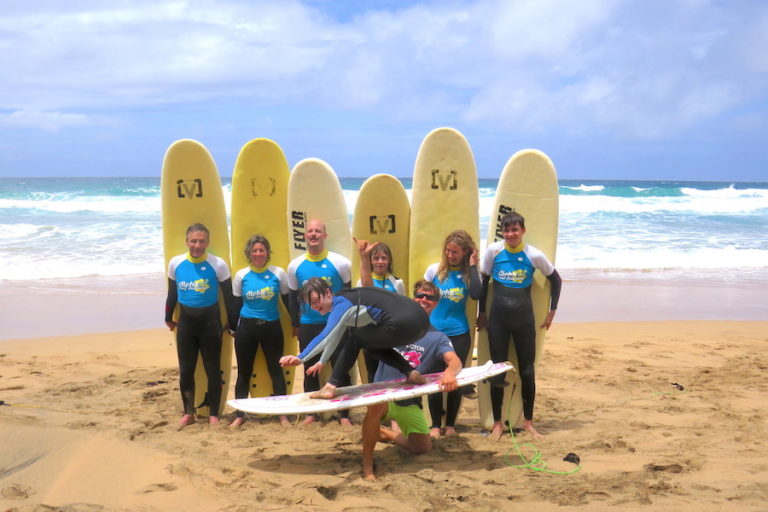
x=158 y=487
x=16 y=492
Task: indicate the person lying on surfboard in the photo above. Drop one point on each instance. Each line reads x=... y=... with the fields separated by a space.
x=429 y=354
x=373 y=318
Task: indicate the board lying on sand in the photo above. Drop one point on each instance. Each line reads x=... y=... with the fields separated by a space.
x=364 y=394
x=527 y=185
x=259 y=201
x=191 y=193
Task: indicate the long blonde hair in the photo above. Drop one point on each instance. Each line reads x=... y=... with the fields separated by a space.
x=465 y=242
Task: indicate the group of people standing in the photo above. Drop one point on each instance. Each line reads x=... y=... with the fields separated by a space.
x=333 y=322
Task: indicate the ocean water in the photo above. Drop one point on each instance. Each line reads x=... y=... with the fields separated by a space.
x=53 y=228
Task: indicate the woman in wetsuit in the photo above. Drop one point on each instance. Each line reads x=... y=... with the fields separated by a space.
x=511 y=264
x=193 y=282
x=257 y=289
x=457 y=278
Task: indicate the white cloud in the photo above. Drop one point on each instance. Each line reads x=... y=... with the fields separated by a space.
x=50 y=121
x=641 y=70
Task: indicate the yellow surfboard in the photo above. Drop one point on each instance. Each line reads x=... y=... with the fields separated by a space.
x=444 y=198
x=259 y=201
x=190 y=190
x=382 y=214
x=528 y=185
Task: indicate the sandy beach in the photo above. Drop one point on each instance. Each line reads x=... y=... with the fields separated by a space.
x=92 y=417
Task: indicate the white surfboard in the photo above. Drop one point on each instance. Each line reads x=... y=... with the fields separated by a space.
x=528 y=185
x=364 y=394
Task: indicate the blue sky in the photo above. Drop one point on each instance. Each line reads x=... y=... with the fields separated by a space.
x=639 y=89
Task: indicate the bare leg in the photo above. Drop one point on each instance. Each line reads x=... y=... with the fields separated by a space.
x=528 y=427
x=371 y=433
x=326 y=392
x=497 y=431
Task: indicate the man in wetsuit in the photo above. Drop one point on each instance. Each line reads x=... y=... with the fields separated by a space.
x=333 y=268
x=193 y=282
x=429 y=354
x=359 y=318
x=511 y=264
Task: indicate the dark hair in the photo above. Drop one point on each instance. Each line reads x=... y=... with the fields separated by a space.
x=198 y=227
x=512 y=218
x=257 y=239
x=426 y=285
x=314 y=285
x=382 y=247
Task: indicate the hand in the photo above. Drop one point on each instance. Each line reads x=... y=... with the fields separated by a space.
x=290 y=361
x=473 y=258
x=171 y=325
x=364 y=247
x=548 y=320
x=448 y=382
x=315 y=369
x=482 y=321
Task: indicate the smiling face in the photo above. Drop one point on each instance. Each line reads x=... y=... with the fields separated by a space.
x=197 y=243
x=427 y=299
x=321 y=303
x=380 y=262
x=315 y=236
x=454 y=254
x=259 y=255
x=513 y=234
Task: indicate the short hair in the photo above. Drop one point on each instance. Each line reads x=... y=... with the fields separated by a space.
x=198 y=227
x=512 y=218
x=428 y=286
x=313 y=285
x=257 y=239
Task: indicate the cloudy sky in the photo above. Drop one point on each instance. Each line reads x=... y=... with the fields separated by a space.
x=636 y=89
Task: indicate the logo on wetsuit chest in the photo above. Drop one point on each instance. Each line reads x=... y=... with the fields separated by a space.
x=266 y=293
x=515 y=276
x=453 y=294
x=198 y=285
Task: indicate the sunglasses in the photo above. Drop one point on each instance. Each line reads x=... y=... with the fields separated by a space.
x=426 y=296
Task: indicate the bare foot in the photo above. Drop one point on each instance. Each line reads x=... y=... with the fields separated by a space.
x=450 y=431
x=368 y=469
x=415 y=378
x=528 y=427
x=434 y=432
x=284 y=421
x=345 y=422
x=497 y=431
x=213 y=421
x=310 y=419
x=237 y=422
x=326 y=392
x=187 y=419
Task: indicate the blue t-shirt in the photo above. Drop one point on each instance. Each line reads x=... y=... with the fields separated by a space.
x=334 y=268
x=450 y=315
x=197 y=279
x=260 y=288
x=513 y=267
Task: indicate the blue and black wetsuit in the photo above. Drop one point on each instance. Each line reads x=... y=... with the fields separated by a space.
x=367 y=318
x=511 y=269
x=194 y=283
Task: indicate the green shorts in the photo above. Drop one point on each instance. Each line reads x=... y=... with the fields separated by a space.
x=409 y=418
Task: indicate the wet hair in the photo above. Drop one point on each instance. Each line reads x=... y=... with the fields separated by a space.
x=382 y=247
x=257 y=239
x=465 y=242
x=512 y=218
x=427 y=286
x=313 y=286
x=198 y=227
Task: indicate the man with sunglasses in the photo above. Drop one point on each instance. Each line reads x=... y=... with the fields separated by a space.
x=426 y=355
